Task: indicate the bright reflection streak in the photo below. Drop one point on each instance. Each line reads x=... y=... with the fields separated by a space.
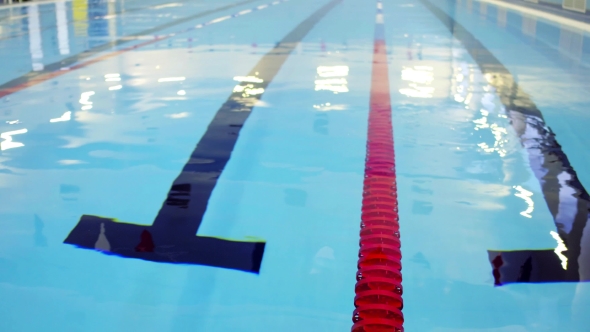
x=418 y=74
x=420 y=77
x=417 y=91
x=86 y=107
x=116 y=87
x=251 y=79
x=85 y=96
x=332 y=78
x=171 y=79
x=177 y=115
x=331 y=81
x=13 y=122
x=70 y=162
x=67 y=116
x=526 y=196
x=217 y=20
x=560 y=249
x=8 y=143
x=499 y=134
x=329 y=107
x=248 y=90
x=181 y=92
x=112 y=77
x=168 y=5
x=332 y=71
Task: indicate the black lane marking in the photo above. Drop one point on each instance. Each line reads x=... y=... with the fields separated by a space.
x=69 y=61
x=551 y=167
x=171 y=238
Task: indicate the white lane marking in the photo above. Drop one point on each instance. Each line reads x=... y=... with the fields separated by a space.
x=217 y=20
x=379 y=19
x=542 y=14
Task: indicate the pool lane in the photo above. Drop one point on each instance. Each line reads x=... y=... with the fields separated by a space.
x=468 y=186
x=298 y=190
x=108 y=139
x=82 y=29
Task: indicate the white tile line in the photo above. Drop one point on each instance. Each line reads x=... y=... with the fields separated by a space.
x=15 y=4
x=535 y=12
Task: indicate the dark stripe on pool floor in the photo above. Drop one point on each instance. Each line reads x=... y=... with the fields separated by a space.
x=532 y=265
x=171 y=238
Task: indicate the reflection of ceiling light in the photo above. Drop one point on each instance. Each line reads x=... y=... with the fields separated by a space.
x=331 y=81
x=8 y=143
x=85 y=96
x=332 y=71
x=248 y=90
x=177 y=115
x=13 y=122
x=250 y=79
x=171 y=79
x=217 y=20
x=252 y=92
x=67 y=116
x=329 y=107
x=116 y=87
x=560 y=249
x=181 y=92
x=167 y=5
x=86 y=107
x=526 y=196
x=418 y=74
x=418 y=92
x=112 y=77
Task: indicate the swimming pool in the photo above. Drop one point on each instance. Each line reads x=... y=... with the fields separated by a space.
x=214 y=166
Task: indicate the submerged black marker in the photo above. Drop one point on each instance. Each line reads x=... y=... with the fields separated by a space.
x=564 y=194
x=172 y=236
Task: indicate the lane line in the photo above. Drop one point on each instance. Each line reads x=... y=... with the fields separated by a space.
x=171 y=238
x=565 y=195
x=378 y=289
x=539 y=13
x=60 y=68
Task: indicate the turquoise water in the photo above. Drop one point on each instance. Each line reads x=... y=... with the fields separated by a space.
x=108 y=139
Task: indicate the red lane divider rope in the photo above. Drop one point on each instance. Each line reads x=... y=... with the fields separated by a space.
x=378 y=289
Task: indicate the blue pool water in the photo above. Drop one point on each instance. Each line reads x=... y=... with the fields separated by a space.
x=108 y=138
